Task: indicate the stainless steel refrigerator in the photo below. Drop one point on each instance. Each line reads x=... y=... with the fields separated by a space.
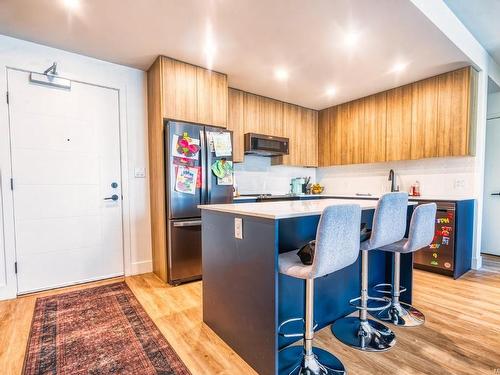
x=182 y=212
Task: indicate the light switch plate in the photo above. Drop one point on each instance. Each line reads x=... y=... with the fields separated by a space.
x=238 y=228
x=140 y=172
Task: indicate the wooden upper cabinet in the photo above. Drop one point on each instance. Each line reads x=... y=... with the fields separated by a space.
x=307 y=137
x=179 y=90
x=324 y=137
x=351 y=130
x=429 y=118
x=271 y=116
x=236 y=123
x=399 y=104
x=453 y=120
x=300 y=126
x=251 y=113
x=291 y=123
x=424 y=118
x=193 y=94
x=374 y=128
x=212 y=97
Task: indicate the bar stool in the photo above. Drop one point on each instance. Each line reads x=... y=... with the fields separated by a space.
x=389 y=226
x=337 y=246
x=420 y=234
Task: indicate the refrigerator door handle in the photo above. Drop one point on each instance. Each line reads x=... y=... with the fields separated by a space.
x=203 y=156
x=190 y=223
x=208 y=162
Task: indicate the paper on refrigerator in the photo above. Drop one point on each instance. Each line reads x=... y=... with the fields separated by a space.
x=186 y=179
x=221 y=143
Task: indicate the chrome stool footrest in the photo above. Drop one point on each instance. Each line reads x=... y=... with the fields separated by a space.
x=379 y=288
x=368 y=335
x=292 y=320
x=355 y=303
x=401 y=314
x=293 y=362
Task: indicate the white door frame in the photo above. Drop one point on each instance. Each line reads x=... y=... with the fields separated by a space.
x=8 y=205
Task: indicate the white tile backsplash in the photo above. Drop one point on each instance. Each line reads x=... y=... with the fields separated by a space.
x=437 y=176
x=256 y=175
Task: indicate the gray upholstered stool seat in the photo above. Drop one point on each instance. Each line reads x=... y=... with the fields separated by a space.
x=389 y=226
x=291 y=265
x=420 y=235
x=337 y=246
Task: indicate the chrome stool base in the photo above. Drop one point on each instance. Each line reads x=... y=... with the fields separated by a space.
x=400 y=314
x=293 y=361
x=367 y=335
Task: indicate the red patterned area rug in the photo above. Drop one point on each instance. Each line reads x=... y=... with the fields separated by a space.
x=97 y=331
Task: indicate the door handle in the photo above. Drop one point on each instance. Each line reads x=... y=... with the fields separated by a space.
x=191 y=223
x=114 y=197
x=495 y=193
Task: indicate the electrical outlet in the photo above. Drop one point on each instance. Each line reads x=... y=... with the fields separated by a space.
x=140 y=172
x=238 y=228
x=459 y=184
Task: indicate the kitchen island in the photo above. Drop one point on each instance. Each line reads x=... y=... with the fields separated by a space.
x=245 y=298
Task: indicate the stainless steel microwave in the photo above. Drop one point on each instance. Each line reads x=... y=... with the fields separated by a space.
x=265 y=145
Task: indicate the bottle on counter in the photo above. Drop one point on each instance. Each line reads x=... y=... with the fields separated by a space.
x=415 y=189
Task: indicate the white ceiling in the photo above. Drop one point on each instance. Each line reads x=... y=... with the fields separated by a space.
x=482 y=20
x=252 y=38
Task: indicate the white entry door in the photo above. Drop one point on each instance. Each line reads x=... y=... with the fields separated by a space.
x=65 y=147
x=491 y=233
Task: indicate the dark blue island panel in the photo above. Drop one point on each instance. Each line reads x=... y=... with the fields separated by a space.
x=244 y=297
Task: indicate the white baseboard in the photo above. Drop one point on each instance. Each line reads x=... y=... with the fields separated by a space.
x=141 y=267
x=477 y=263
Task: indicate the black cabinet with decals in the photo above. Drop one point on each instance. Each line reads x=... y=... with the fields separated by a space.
x=450 y=252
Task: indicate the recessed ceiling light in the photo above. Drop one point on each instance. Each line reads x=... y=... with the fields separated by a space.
x=72 y=4
x=399 y=67
x=351 y=38
x=331 y=91
x=281 y=74
x=210 y=46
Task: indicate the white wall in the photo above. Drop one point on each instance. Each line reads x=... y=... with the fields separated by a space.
x=256 y=175
x=131 y=84
x=449 y=177
x=494 y=104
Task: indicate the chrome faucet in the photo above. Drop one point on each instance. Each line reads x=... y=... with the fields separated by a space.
x=392 y=178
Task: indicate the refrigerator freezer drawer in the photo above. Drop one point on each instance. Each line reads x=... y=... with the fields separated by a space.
x=184 y=253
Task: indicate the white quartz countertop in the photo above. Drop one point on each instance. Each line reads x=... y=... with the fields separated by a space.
x=287 y=209
x=374 y=196
x=421 y=198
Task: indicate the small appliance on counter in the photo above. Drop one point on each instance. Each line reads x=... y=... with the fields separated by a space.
x=298 y=185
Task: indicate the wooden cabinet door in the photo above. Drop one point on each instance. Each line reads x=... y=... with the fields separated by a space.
x=271 y=117
x=324 y=137
x=453 y=113
x=236 y=123
x=307 y=135
x=291 y=129
x=352 y=120
x=251 y=113
x=300 y=126
x=212 y=97
x=374 y=129
x=179 y=90
x=399 y=104
x=424 y=118
x=338 y=116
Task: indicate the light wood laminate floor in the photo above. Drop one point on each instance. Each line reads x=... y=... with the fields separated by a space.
x=461 y=334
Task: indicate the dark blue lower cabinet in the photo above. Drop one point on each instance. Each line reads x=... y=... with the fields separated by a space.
x=244 y=297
